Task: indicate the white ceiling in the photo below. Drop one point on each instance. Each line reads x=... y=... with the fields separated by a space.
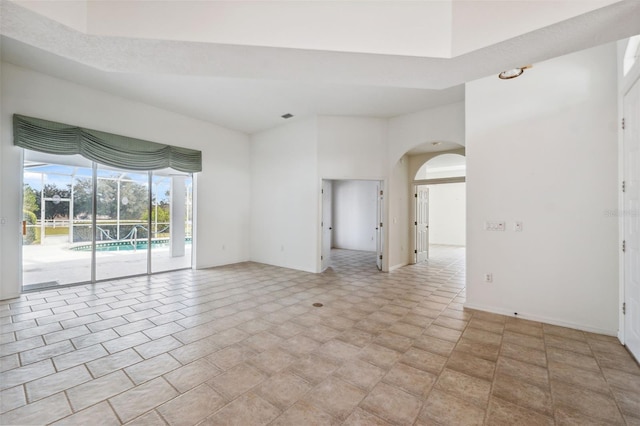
x=245 y=104
x=248 y=87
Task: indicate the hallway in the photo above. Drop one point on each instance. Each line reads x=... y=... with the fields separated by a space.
x=243 y=344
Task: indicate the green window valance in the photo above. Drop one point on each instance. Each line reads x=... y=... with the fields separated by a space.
x=104 y=148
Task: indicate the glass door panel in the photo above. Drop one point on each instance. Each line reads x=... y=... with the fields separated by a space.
x=122 y=206
x=62 y=200
x=171 y=219
x=56 y=237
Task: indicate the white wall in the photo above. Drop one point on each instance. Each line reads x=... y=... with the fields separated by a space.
x=355 y=26
x=352 y=147
x=447 y=214
x=542 y=149
x=399 y=226
x=288 y=164
x=285 y=196
x=441 y=124
x=70 y=13
x=222 y=187
x=477 y=24
x=354 y=214
x=336 y=148
x=429 y=28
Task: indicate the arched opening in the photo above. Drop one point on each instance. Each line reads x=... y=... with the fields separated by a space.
x=439 y=208
x=442 y=166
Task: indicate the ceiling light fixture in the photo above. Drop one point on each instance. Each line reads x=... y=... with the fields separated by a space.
x=513 y=73
x=286 y=116
x=436 y=143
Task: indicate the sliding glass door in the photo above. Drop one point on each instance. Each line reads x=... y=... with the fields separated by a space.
x=121 y=228
x=171 y=220
x=86 y=222
x=56 y=227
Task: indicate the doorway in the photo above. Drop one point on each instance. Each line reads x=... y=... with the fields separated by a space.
x=84 y=222
x=631 y=220
x=352 y=219
x=439 y=208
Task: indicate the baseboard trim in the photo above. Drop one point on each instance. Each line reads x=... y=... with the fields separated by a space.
x=398 y=266
x=543 y=319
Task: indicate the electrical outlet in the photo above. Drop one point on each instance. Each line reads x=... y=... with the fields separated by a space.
x=488 y=277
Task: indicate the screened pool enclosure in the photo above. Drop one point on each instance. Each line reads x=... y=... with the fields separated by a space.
x=85 y=221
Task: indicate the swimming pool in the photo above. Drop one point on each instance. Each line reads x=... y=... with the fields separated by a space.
x=127 y=245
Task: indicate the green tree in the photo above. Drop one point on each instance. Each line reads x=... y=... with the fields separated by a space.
x=82 y=198
x=60 y=209
x=106 y=196
x=30 y=237
x=163 y=214
x=31 y=199
x=133 y=198
x=137 y=196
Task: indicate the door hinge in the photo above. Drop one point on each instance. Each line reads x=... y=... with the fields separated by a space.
x=380 y=257
x=321 y=223
x=624 y=186
x=415 y=195
x=624 y=308
x=623 y=124
x=321 y=257
x=415 y=223
x=322 y=191
x=624 y=245
x=415 y=251
x=381 y=192
x=380 y=224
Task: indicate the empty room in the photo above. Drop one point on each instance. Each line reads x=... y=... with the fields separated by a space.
x=319 y=212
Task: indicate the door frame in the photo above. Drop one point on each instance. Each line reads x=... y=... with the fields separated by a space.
x=326 y=222
x=414 y=186
x=626 y=84
x=380 y=228
x=416 y=222
x=382 y=206
x=93 y=263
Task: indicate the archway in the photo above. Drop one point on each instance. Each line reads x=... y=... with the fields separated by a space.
x=439 y=201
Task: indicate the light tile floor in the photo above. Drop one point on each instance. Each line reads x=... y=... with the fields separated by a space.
x=243 y=345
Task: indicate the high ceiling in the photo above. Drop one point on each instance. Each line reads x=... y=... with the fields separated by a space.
x=242 y=64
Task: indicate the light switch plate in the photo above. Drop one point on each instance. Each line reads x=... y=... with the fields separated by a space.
x=495 y=226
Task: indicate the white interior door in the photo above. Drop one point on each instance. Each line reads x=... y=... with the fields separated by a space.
x=379 y=225
x=327 y=223
x=422 y=223
x=631 y=199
